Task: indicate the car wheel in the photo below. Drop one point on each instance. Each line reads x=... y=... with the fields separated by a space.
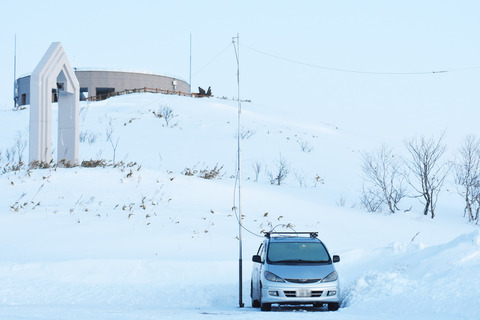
x=333 y=306
x=266 y=306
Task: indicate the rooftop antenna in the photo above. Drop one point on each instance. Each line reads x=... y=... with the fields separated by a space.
x=239 y=173
x=15 y=74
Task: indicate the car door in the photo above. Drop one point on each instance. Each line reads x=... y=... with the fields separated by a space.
x=257 y=271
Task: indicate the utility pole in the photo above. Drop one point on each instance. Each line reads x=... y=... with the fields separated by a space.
x=15 y=74
x=239 y=174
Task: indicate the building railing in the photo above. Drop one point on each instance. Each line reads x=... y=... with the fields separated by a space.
x=140 y=90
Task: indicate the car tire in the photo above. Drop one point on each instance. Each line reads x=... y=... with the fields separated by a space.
x=266 y=306
x=333 y=306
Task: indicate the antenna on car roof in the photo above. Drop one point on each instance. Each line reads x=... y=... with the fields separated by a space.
x=312 y=234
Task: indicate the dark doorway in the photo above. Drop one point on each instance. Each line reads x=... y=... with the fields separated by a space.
x=104 y=93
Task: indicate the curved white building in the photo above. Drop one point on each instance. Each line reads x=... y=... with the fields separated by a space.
x=100 y=84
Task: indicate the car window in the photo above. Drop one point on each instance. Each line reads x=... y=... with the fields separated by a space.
x=286 y=252
x=261 y=251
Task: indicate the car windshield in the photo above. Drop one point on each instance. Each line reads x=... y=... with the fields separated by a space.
x=297 y=252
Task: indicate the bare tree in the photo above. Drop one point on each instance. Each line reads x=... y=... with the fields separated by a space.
x=10 y=154
x=383 y=178
x=467 y=176
x=370 y=200
x=300 y=176
x=305 y=146
x=341 y=201
x=166 y=113
x=427 y=168
x=20 y=144
x=281 y=173
x=257 y=167
x=109 y=134
x=114 y=147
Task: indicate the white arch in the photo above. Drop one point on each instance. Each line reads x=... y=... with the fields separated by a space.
x=54 y=71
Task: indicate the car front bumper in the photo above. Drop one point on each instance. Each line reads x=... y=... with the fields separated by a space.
x=293 y=293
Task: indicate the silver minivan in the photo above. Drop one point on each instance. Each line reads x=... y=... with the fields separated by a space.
x=294 y=268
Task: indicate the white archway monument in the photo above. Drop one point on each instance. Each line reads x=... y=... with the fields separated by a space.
x=54 y=71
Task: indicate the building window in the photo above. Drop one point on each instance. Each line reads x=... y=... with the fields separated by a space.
x=54 y=95
x=83 y=94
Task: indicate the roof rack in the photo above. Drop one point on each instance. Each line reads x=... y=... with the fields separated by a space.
x=311 y=234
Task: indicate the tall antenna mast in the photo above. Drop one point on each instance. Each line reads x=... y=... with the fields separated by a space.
x=239 y=175
x=190 y=79
x=15 y=74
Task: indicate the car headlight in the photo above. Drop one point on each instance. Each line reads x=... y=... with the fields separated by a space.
x=331 y=277
x=272 y=277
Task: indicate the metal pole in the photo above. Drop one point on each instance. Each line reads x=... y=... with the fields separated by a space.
x=190 y=81
x=15 y=74
x=240 y=262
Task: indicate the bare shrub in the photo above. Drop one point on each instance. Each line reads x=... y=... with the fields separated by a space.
x=189 y=171
x=281 y=172
x=94 y=163
x=428 y=169
x=300 y=177
x=36 y=164
x=109 y=134
x=89 y=137
x=10 y=154
x=206 y=173
x=318 y=180
x=383 y=177
x=20 y=145
x=109 y=131
x=13 y=167
x=305 y=146
x=341 y=201
x=64 y=163
x=257 y=167
x=166 y=113
x=210 y=173
x=14 y=154
x=467 y=177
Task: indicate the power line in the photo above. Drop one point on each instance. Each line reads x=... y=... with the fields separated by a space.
x=211 y=61
x=464 y=69
x=347 y=70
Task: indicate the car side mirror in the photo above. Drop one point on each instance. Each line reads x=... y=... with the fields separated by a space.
x=257 y=258
x=336 y=258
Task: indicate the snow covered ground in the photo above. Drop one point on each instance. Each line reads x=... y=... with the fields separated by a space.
x=142 y=240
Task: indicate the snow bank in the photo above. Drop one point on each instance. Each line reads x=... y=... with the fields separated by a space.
x=144 y=240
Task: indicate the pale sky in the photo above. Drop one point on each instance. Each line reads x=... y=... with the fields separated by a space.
x=392 y=37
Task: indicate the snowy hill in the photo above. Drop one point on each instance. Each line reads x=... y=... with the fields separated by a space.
x=150 y=238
